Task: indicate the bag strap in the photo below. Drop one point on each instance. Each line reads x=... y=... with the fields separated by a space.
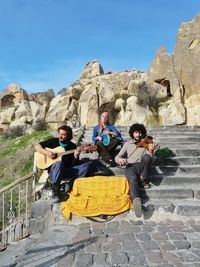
x=101 y=218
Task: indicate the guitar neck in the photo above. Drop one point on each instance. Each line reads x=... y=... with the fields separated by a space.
x=60 y=154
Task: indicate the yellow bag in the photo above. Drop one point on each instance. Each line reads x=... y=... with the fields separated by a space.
x=93 y=196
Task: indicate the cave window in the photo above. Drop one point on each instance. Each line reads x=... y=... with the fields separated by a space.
x=7 y=101
x=166 y=83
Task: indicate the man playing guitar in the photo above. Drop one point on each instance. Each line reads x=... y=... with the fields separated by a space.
x=69 y=167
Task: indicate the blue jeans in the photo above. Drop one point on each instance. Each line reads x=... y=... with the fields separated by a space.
x=59 y=171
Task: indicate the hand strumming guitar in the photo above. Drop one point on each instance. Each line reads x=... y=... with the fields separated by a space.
x=51 y=155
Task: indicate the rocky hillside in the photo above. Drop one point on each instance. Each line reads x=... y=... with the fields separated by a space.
x=16 y=156
x=17 y=153
x=167 y=95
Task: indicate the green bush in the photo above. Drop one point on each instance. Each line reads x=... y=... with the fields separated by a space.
x=14 y=131
x=40 y=126
x=164 y=153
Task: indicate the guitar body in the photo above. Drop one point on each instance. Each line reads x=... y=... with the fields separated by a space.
x=43 y=162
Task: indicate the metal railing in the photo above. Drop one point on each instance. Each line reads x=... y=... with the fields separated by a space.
x=15 y=209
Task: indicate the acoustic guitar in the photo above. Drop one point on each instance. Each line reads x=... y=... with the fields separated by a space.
x=43 y=161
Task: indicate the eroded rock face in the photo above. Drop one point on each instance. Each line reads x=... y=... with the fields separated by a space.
x=12 y=95
x=18 y=109
x=42 y=98
x=92 y=69
x=180 y=74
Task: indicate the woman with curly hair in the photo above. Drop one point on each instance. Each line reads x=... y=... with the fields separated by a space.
x=138 y=161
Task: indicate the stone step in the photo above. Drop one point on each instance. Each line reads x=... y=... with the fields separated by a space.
x=157 y=130
x=172 y=129
x=185 y=127
x=190 y=207
x=187 y=145
x=168 y=177
x=172 y=170
x=175 y=161
x=169 y=192
x=160 y=139
x=172 y=161
x=177 y=139
x=182 y=151
x=175 y=180
x=181 y=207
x=165 y=170
x=164 y=136
x=172 y=145
x=157 y=134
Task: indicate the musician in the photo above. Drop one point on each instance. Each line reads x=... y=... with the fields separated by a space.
x=69 y=167
x=138 y=161
x=107 y=138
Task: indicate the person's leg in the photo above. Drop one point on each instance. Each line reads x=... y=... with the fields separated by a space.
x=132 y=172
x=145 y=169
x=103 y=152
x=56 y=172
x=133 y=175
x=73 y=172
x=113 y=144
x=83 y=169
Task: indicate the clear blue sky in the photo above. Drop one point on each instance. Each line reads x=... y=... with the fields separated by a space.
x=46 y=43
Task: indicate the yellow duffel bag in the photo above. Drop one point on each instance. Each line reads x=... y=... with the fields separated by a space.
x=98 y=195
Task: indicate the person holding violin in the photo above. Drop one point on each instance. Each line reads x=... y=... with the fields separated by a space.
x=137 y=157
x=107 y=138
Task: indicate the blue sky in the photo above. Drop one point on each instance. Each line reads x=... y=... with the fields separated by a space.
x=46 y=43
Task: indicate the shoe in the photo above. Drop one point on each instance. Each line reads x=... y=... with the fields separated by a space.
x=137 y=206
x=146 y=185
x=55 y=199
x=110 y=163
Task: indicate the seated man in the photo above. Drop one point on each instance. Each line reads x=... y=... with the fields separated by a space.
x=107 y=138
x=69 y=167
x=138 y=161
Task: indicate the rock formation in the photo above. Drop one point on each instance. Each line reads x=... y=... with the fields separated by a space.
x=180 y=74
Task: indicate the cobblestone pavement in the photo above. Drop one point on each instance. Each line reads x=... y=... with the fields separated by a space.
x=124 y=241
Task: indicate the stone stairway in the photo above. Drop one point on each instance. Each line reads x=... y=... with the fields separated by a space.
x=166 y=235
x=176 y=179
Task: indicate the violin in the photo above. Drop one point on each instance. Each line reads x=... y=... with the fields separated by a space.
x=145 y=141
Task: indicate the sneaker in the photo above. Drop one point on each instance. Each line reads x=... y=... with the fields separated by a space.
x=55 y=199
x=146 y=185
x=137 y=206
x=110 y=163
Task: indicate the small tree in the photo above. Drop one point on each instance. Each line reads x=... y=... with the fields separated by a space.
x=39 y=125
x=14 y=131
